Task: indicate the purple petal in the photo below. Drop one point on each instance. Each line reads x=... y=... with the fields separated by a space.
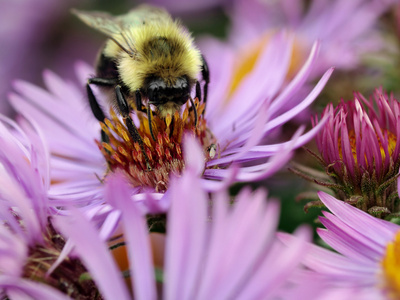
x=194 y=156
x=40 y=158
x=187 y=224
x=255 y=136
x=238 y=110
x=67 y=249
x=298 y=80
x=222 y=55
x=377 y=230
x=17 y=288
x=349 y=245
x=260 y=171
x=136 y=237
x=282 y=118
x=60 y=120
x=269 y=150
x=153 y=203
x=83 y=71
x=94 y=254
x=12 y=192
x=286 y=259
x=333 y=264
x=216 y=186
x=235 y=247
x=13 y=252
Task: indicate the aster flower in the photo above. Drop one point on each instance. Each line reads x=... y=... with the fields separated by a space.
x=29 y=244
x=359 y=151
x=347 y=29
x=228 y=250
x=367 y=259
x=232 y=131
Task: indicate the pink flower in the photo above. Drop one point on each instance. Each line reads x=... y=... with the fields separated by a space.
x=367 y=259
x=29 y=245
x=346 y=29
x=359 y=149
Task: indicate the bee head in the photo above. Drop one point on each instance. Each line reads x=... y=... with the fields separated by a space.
x=160 y=93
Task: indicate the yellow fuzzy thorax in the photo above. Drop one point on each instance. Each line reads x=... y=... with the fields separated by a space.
x=162 y=49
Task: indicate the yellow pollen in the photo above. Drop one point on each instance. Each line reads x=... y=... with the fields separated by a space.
x=108 y=124
x=107 y=147
x=248 y=61
x=392 y=140
x=123 y=151
x=150 y=164
x=146 y=140
x=168 y=120
x=391 y=267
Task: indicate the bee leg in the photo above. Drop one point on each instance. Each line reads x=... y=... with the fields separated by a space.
x=125 y=110
x=96 y=110
x=138 y=102
x=102 y=81
x=205 y=73
x=150 y=125
x=198 y=96
x=138 y=99
x=195 y=111
x=94 y=105
x=198 y=91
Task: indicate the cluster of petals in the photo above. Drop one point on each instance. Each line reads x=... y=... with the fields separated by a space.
x=214 y=252
x=228 y=250
x=361 y=242
x=361 y=138
x=24 y=209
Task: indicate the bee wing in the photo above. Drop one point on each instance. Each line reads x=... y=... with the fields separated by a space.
x=114 y=27
x=145 y=13
x=117 y=27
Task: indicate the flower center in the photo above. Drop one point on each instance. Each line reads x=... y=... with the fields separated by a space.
x=391 y=266
x=68 y=277
x=390 y=144
x=152 y=164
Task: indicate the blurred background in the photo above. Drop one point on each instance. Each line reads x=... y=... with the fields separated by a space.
x=42 y=34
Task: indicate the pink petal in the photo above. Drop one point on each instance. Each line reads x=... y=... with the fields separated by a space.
x=94 y=254
x=17 y=288
x=136 y=237
x=187 y=224
x=194 y=155
x=377 y=230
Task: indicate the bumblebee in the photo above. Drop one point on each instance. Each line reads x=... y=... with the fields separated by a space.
x=148 y=60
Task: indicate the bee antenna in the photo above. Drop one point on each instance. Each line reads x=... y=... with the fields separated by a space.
x=149 y=119
x=195 y=111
